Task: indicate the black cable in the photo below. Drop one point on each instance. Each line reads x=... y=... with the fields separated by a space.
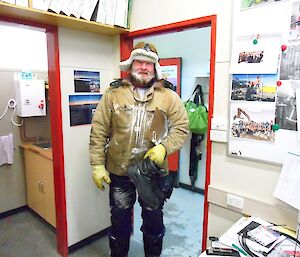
x=244 y=235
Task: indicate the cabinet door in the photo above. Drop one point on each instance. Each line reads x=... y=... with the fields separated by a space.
x=33 y=181
x=48 y=191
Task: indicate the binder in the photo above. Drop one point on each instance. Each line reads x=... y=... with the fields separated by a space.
x=67 y=7
x=101 y=14
x=89 y=7
x=55 y=6
x=121 y=13
x=77 y=8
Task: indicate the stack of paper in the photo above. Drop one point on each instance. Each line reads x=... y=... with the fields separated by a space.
x=264 y=238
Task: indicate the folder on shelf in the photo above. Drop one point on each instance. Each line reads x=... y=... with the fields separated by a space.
x=55 y=6
x=9 y=1
x=67 y=7
x=89 y=7
x=23 y=3
x=40 y=4
x=121 y=13
x=101 y=13
x=111 y=11
x=77 y=8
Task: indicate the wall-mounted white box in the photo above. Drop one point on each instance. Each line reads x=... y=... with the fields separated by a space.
x=235 y=201
x=30 y=97
x=219 y=123
x=218 y=136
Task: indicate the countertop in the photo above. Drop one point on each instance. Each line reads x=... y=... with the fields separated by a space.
x=45 y=152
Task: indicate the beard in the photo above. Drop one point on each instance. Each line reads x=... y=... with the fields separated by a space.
x=141 y=80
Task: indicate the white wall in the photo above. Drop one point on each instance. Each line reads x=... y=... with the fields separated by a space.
x=87 y=206
x=22 y=49
x=249 y=178
x=17 y=54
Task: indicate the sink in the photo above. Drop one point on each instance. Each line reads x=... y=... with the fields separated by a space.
x=44 y=145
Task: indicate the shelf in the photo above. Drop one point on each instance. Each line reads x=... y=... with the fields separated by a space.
x=30 y=14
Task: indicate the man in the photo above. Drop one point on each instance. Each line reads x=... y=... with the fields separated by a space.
x=118 y=139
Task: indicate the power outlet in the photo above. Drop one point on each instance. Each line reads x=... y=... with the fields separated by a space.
x=235 y=201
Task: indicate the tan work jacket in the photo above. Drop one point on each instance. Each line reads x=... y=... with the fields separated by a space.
x=122 y=117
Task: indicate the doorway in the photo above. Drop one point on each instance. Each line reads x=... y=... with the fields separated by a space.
x=55 y=122
x=155 y=34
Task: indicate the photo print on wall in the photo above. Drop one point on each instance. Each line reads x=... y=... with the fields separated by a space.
x=254 y=87
x=251 y=3
x=252 y=122
x=82 y=108
x=295 y=21
x=290 y=63
x=86 y=81
x=286 y=105
x=259 y=58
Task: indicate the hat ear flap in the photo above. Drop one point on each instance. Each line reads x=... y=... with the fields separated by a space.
x=158 y=71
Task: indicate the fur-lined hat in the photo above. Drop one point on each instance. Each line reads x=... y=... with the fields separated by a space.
x=143 y=52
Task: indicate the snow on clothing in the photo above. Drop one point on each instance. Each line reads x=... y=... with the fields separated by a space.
x=121 y=119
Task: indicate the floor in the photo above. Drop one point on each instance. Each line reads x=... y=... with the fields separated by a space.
x=28 y=236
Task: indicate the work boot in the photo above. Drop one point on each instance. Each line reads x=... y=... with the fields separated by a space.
x=144 y=175
x=119 y=246
x=152 y=245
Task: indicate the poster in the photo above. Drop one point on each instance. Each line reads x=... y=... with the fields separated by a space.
x=298 y=110
x=171 y=71
x=86 y=81
x=251 y=3
x=82 y=108
x=295 y=21
x=259 y=58
x=252 y=121
x=290 y=63
x=254 y=87
x=286 y=106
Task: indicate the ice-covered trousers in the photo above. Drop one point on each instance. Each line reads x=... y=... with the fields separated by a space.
x=122 y=197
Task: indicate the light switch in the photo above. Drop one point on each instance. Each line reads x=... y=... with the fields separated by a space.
x=219 y=124
x=218 y=135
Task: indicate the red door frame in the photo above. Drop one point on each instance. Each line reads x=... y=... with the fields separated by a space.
x=56 y=126
x=125 y=49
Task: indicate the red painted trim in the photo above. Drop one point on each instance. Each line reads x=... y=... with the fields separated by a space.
x=127 y=40
x=176 y=26
x=56 y=127
x=57 y=141
x=213 y=39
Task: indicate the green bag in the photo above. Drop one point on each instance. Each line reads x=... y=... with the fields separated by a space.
x=197 y=112
x=198 y=117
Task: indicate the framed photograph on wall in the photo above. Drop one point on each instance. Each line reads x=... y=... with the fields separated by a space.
x=171 y=71
x=82 y=108
x=86 y=81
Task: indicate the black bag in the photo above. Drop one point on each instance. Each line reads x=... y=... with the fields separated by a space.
x=153 y=188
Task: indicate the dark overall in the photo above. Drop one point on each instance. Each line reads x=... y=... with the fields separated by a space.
x=122 y=198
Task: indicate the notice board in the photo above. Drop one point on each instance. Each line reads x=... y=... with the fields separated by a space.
x=265 y=81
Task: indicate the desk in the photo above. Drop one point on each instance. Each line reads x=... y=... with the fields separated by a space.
x=231 y=237
x=205 y=255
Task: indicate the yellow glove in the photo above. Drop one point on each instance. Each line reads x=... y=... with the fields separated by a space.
x=156 y=154
x=100 y=174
